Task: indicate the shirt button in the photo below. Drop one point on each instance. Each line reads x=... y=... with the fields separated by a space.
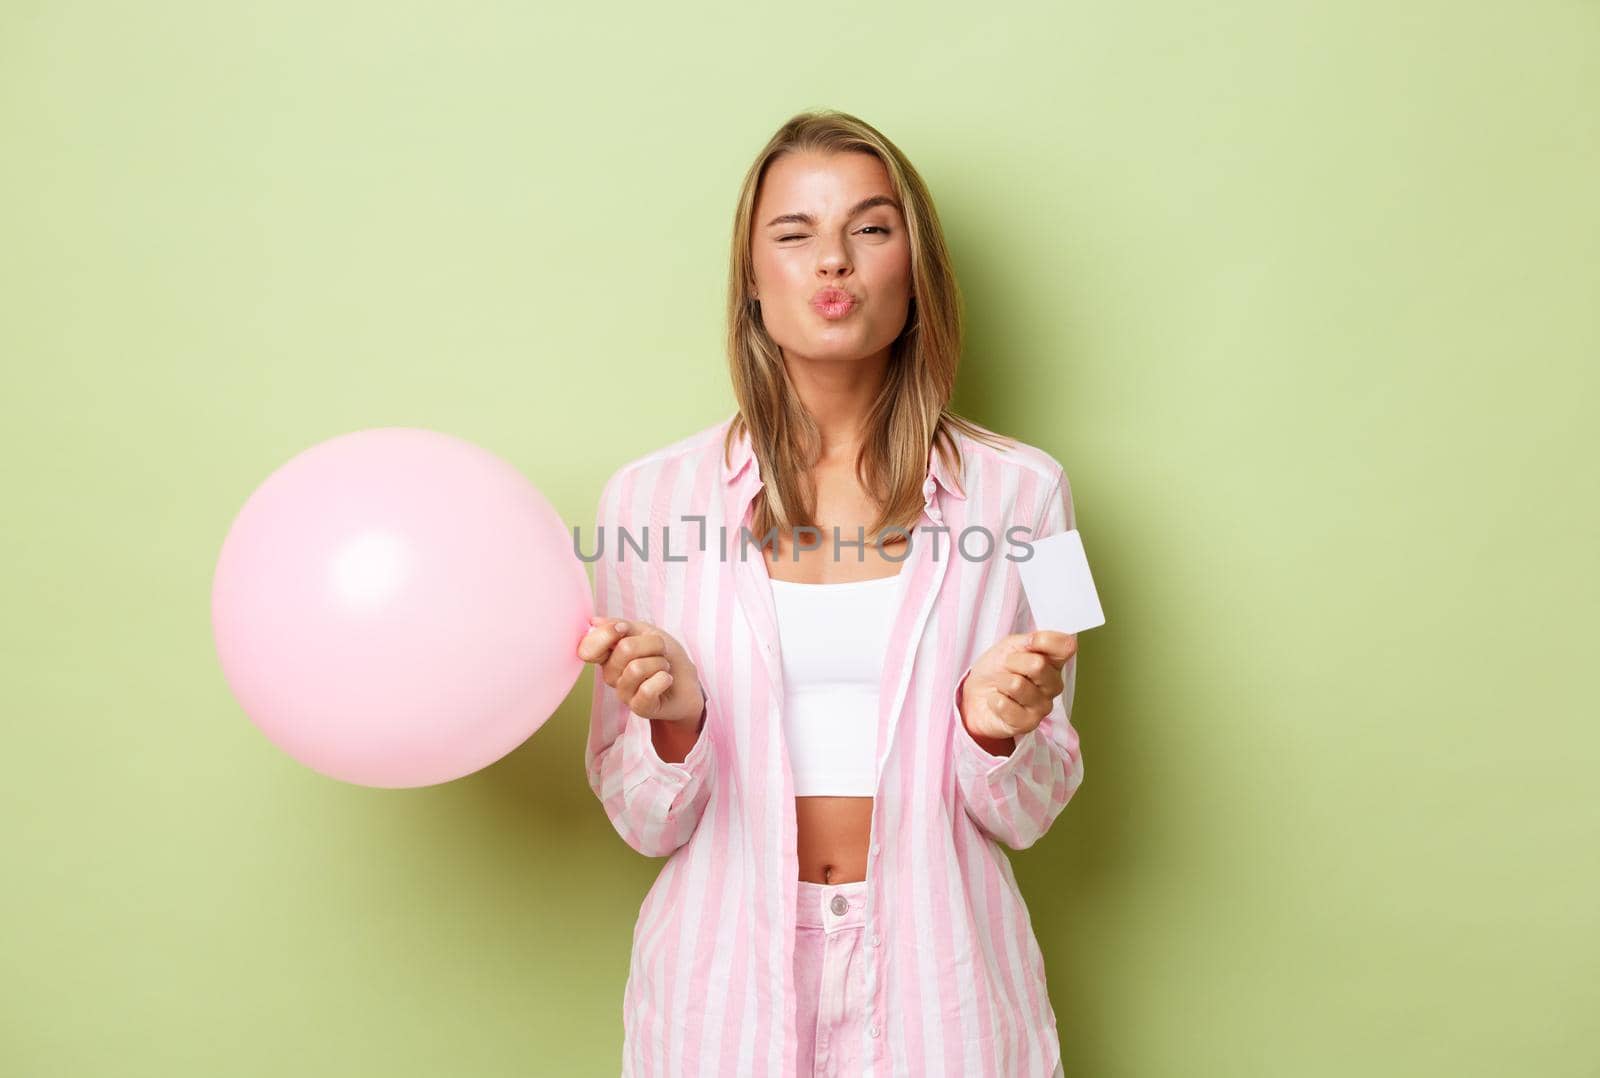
x=873 y=1032
x=874 y=941
x=840 y=905
x=875 y=849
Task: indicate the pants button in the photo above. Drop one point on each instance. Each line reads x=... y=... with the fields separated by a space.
x=840 y=905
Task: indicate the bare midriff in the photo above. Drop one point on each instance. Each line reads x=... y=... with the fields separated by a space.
x=832 y=834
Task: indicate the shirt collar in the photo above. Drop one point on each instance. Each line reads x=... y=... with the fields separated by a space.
x=742 y=456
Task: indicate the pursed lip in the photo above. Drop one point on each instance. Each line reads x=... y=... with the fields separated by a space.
x=833 y=302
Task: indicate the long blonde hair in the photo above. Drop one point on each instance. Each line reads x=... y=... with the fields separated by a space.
x=911 y=413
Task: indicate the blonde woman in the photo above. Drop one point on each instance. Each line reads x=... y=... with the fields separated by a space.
x=830 y=734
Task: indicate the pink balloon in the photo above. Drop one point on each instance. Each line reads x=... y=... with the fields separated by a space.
x=398 y=607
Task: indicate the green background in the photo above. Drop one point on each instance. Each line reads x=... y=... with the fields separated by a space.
x=1303 y=295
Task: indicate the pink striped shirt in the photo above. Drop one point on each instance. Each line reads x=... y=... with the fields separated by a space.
x=954 y=971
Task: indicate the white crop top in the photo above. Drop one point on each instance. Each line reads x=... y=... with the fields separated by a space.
x=832 y=639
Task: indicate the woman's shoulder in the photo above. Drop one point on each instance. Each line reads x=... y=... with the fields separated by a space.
x=665 y=475
x=690 y=448
x=987 y=455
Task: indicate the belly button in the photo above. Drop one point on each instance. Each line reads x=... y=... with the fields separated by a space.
x=827 y=873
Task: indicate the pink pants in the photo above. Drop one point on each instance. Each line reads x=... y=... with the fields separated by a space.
x=832 y=1003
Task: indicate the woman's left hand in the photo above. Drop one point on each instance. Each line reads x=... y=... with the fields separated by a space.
x=1013 y=685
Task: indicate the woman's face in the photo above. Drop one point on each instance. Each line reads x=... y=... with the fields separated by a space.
x=832 y=270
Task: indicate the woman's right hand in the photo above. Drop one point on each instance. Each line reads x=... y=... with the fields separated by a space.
x=648 y=669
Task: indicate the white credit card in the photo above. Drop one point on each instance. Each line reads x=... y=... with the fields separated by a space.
x=1057 y=583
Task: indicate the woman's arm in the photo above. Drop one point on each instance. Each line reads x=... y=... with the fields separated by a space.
x=654 y=803
x=1014 y=798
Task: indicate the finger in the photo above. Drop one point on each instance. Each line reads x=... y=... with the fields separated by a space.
x=636 y=673
x=597 y=642
x=1058 y=646
x=1039 y=669
x=1010 y=713
x=641 y=642
x=1017 y=716
x=1021 y=690
x=647 y=699
x=603 y=635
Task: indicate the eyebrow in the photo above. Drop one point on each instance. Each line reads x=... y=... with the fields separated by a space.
x=860 y=207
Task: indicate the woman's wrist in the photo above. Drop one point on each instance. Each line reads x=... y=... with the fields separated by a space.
x=697 y=723
x=675 y=738
x=994 y=746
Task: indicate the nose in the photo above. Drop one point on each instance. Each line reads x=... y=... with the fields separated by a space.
x=835 y=259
